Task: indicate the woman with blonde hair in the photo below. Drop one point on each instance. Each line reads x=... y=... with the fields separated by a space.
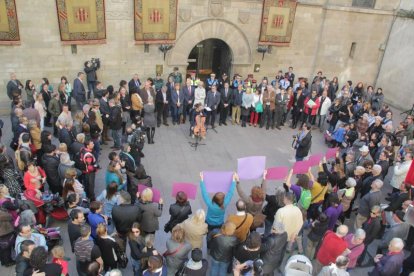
x=195 y=229
x=151 y=211
x=35 y=134
x=40 y=106
x=177 y=250
x=108 y=247
x=78 y=121
x=199 y=94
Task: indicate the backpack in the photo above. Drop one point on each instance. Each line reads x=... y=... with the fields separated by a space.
x=305 y=199
x=83 y=250
x=20 y=163
x=79 y=159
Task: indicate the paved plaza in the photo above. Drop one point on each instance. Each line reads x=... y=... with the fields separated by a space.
x=172 y=159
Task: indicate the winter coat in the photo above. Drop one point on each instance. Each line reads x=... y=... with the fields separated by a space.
x=150 y=214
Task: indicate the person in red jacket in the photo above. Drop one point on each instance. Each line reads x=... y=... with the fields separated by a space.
x=333 y=245
x=311 y=107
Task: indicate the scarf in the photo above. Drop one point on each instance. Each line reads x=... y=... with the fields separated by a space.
x=194 y=265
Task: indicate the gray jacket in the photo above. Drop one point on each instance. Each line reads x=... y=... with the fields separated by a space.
x=177 y=254
x=150 y=213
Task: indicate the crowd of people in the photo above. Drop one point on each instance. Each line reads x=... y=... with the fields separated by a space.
x=305 y=219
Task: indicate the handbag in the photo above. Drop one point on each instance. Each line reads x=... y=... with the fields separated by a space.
x=259 y=107
x=122 y=259
x=258 y=221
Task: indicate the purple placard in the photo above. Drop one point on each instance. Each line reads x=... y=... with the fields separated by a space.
x=156 y=193
x=315 y=159
x=331 y=153
x=218 y=181
x=252 y=167
x=301 y=167
x=189 y=188
x=277 y=173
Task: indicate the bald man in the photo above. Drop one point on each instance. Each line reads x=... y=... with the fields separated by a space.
x=391 y=263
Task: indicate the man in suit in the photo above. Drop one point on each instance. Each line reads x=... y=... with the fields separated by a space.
x=280 y=108
x=170 y=88
x=188 y=91
x=134 y=82
x=212 y=102
x=161 y=105
x=79 y=90
x=105 y=112
x=14 y=85
x=226 y=96
x=291 y=76
x=177 y=99
x=147 y=92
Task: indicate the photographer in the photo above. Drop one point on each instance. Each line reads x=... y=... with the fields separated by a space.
x=302 y=142
x=90 y=70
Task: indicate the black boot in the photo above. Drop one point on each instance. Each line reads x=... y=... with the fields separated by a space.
x=152 y=135
x=148 y=131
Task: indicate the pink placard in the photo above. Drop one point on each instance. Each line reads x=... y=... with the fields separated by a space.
x=277 y=173
x=331 y=153
x=189 y=188
x=301 y=167
x=156 y=193
x=315 y=159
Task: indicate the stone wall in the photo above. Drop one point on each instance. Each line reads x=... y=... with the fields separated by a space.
x=322 y=37
x=396 y=74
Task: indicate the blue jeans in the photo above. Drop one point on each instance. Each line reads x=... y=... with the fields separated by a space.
x=268 y=227
x=218 y=268
x=299 y=158
x=96 y=148
x=136 y=266
x=117 y=135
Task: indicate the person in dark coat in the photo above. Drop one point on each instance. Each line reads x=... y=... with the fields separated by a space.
x=14 y=85
x=273 y=248
x=124 y=215
x=179 y=211
x=303 y=142
x=79 y=91
x=90 y=69
x=149 y=120
x=50 y=164
x=391 y=263
x=372 y=228
x=115 y=123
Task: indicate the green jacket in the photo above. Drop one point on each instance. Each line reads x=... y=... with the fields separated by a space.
x=55 y=107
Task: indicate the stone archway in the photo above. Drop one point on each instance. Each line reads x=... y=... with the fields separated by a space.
x=211 y=28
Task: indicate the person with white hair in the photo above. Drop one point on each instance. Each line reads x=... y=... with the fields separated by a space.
x=338 y=268
x=400 y=171
x=273 y=248
x=366 y=183
x=356 y=246
x=366 y=202
x=391 y=263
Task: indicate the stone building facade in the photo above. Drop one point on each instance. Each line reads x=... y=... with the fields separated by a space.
x=324 y=33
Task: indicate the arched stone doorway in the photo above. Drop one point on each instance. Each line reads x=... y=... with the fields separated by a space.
x=210 y=29
x=210 y=55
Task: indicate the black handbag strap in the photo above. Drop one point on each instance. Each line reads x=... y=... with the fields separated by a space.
x=245 y=217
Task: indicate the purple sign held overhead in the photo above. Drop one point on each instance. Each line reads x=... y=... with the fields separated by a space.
x=301 y=167
x=277 y=173
x=218 y=181
x=156 y=193
x=189 y=188
x=315 y=159
x=252 y=167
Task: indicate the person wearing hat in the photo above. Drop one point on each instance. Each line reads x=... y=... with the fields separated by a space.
x=211 y=81
x=398 y=229
x=224 y=79
x=158 y=82
x=364 y=155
